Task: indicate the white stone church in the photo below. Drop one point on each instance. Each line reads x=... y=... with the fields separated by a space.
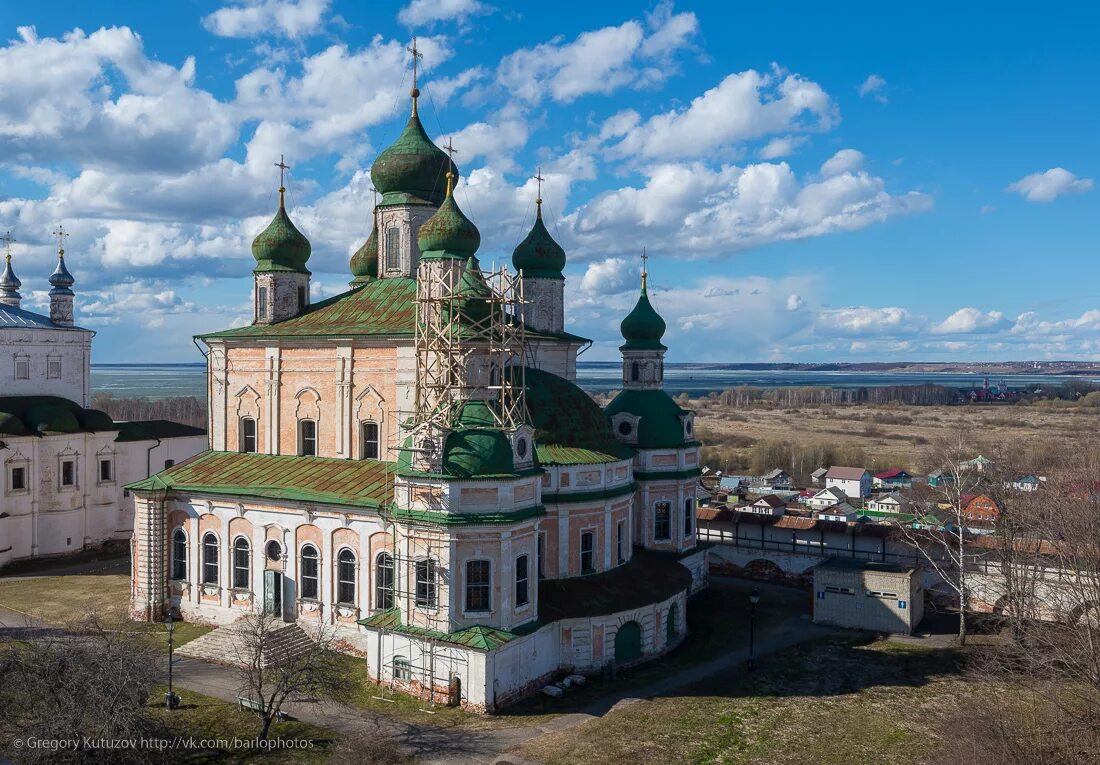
x=411 y=464
x=65 y=465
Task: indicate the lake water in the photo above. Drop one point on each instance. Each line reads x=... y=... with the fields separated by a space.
x=168 y=380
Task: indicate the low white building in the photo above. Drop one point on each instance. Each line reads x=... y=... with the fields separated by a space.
x=841 y=511
x=65 y=465
x=826 y=498
x=888 y=503
x=767 y=505
x=867 y=595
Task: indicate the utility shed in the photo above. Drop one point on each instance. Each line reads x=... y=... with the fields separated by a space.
x=867 y=595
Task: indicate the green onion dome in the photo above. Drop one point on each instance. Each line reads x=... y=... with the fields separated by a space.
x=474 y=295
x=477 y=446
x=47 y=418
x=539 y=255
x=413 y=169
x=281 y=246
x=364 y=262
x=96 y=420
x=448 y=233
x=10 y=425
x=643 y=327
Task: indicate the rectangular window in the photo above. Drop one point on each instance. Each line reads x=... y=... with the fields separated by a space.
x=620 y=532
x=368 y=438
x=522 y=594
x=425 y=583
x=248 y=434
x=261 y=302
x=478 y=586
x=839 y=590
x=662 y=526
x=402 y=669
x=68 y=472
x=18 y=479
x=393 y=248
x=169 y=463
x=53 y=368
x=301 y=298
x=540 y=552
x=588 y=554
x=689 y=516
x=106 y=473
x=307 y=438
x=22 y=369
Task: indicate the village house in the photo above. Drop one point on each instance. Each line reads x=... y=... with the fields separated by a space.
x=766 y=505
x=888 y=503
x=895 y=478
x=818 y=476
x=1026 y=482
x=980 y=509
x=64 y=464
x=855 y=482
x=825 y=498
x=842 y=511
x=411 y=465
x=776 y=479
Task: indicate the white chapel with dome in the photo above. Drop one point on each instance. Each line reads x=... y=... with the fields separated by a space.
x=411 y=464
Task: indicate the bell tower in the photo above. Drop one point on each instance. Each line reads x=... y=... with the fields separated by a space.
x=281 y=279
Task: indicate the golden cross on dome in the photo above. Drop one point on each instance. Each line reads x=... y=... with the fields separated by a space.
x=60 y=233
x=8 y=241
x=416 y=56
x=451 y=151
x=540 y=179
x=645 y=259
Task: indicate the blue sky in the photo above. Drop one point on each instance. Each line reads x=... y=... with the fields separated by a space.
x=813 y=185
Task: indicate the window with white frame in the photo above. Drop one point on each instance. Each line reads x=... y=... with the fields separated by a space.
x=179 y=555
x=209 y=558
x=307 y=438
x=368 y=440
x=248 y=434
x=242 y=555
x=383 y=581
x=345 y=577
x=53 y=367
x=402 y=668
x=425 y=583
x=523 y=596
x=478 y=586
x=311 y=567
x=18 y=478
x=588 y=552
x=22 y=368
x=662 y=520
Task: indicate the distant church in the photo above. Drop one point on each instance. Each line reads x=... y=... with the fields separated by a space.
x=65 y=466
x=411 y=463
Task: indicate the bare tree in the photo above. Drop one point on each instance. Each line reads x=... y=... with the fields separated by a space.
x=88 y=683
x=940 y=534
x=275 y=668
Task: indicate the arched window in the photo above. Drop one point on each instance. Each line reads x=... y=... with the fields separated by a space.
x=383 y=581
x=523 y=596
x=307 y=438
x=248 y=434
x=368 y=440
x=209 y=558
x=393 y=248
x=179 y=555
x=345 y=577
x=311 y=585
x=241 y=557
x=634 y=372
x=478 y=586
x=402 y=668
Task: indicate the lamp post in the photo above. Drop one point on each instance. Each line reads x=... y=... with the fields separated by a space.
x=754 y=598
x=171 y=700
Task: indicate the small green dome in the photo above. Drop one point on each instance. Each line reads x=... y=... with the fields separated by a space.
x=448 y=233
x=281 y=246
x=10 y=425
x=539 y=255
x=46 y=418
x=660 y=424
x=643 y=327
x=364 y=263
x=474 y=304
x=477 y=447
x=412 y=169
x=95 y=420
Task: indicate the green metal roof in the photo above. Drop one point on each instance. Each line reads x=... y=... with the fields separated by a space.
x=468 y=519
x=479 y=636
x=660 y=426
x=569 y=427
x=20 y=415
x=325 y=480
x=151 y=430
x=384 y=307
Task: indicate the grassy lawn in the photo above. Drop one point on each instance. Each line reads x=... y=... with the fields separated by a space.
x=832 y=702
x=203 y=717
x=66 y=600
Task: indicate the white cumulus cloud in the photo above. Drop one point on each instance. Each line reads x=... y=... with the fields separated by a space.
x=260 y=18
x=970 y=320
x=423 y=12
x=1049 y=185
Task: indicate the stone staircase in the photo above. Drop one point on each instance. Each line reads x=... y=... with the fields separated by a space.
x=226 y=645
